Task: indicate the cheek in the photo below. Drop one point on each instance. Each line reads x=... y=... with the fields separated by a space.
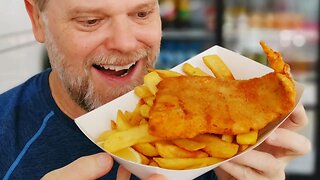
x=77 y=47
x=149 y=34
x=151 y=38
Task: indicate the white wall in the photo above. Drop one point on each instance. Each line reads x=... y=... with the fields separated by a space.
x=14 y=18
x=20 y=54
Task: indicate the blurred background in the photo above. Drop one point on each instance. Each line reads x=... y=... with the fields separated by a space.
x=192 y=26
x=288 y=26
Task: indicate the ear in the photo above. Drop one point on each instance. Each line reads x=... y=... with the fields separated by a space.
x=34 y=15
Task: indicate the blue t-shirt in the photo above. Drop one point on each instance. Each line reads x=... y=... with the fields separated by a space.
x=36 y=137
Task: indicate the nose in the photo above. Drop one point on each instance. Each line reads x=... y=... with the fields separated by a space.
x=122 y=37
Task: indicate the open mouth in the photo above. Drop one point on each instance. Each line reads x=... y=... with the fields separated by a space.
x=112 y=70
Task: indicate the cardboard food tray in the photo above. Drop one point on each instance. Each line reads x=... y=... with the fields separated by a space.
x=95 y=122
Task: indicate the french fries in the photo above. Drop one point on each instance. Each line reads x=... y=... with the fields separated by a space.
x=125 y=138
x=151 y=80
x=144 y=110
x=168 y=150
x=146 y=149
x=130 y=139
x=121 y=122
x=186 y=163
x=248 y=138
x=142 y=91
x=227 y=138
x=217 y=66
x=193 y=71
x=189 y=144
x=166 y=73
x=217 y=147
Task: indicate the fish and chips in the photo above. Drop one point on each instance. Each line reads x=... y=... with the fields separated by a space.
x=192 y=120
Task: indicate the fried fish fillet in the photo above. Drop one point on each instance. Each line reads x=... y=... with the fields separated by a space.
x=186 y=106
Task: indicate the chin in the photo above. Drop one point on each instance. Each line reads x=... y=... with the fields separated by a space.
x=108 y=94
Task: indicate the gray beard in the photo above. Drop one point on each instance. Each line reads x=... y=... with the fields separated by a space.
x=78 y=86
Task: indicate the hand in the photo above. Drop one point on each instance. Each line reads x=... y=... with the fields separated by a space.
x=87 y=167
x=285 y=144
x=124 y=174
x=91 y=167
x=268 y=161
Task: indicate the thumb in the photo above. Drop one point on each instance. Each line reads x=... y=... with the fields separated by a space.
x=86 y=167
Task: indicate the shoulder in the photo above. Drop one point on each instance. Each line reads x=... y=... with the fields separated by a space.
x=21 y=100
x=25 y=91
x=20 y=110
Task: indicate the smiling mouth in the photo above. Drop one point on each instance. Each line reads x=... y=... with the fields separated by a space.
x=117 y=71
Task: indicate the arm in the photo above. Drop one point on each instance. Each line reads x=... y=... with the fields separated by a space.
x=268 y=161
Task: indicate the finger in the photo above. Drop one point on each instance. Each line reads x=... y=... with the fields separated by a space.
x=294 y=143
x=297 y=119
x=240 y=172
x=261 y=162
x=123 y=173
x=87 y=167
x=222 y=174
x=156 y=177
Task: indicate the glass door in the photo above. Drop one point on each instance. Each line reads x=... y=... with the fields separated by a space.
x=188 y=28
x=291 y=27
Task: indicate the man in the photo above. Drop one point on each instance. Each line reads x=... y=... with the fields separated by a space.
x=99 y=50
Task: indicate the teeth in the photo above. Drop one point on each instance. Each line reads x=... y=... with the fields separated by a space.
x=117 y=68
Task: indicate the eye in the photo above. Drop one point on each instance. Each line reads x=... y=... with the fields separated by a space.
x=90 y=22
x=143 y=14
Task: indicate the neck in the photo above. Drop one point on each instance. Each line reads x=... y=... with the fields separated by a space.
x=62 y=98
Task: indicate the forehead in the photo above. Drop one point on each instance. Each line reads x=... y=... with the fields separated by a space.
x=111 y=6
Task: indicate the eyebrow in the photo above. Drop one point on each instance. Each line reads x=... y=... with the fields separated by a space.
x=146 y=5
x=83 y=9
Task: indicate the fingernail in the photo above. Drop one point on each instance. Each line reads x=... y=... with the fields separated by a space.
x=103 y=160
